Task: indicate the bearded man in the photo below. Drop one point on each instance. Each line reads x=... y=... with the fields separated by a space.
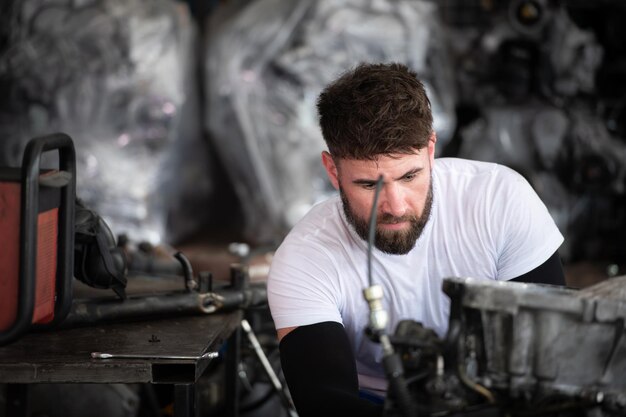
x=437 y=218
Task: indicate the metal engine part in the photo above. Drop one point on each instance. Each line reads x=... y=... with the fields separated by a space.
x=521 y=349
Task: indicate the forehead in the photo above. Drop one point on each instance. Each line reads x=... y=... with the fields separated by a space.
x=387 y=165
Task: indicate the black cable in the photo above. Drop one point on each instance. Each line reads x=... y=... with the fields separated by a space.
x=258 y=403
x=392 y=363
x=372 y=229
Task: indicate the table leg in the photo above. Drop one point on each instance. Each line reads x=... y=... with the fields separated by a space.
x=17 y=400
x=233 y=357
x=185 y=400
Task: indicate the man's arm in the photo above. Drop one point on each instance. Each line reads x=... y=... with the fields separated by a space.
x=321 y=372
x=550 y=272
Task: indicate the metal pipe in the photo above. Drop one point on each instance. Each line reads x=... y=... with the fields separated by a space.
x=86 y=312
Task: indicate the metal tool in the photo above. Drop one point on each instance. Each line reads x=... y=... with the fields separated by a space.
x=278 y=387
x=101 y=355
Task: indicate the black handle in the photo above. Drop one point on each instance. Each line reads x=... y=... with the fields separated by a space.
x=28 y=232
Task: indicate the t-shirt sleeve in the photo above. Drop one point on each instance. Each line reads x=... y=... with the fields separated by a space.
x=528 y=235
x=302 y=286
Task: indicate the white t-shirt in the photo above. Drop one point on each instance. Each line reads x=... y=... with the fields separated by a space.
x=486 y=222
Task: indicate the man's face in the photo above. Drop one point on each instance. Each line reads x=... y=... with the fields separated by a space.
x=387 y=239
x=404 y=202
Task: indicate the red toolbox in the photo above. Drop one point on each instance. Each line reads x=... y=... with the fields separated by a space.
x=37 y=235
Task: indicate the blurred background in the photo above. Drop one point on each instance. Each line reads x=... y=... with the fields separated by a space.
x=194 y=122
x=195 y=127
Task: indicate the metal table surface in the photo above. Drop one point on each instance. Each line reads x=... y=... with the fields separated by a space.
x=64 y=355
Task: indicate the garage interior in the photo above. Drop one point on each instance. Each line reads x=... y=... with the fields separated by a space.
x=189 y=132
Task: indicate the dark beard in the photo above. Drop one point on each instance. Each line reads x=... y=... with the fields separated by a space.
x=392 y=242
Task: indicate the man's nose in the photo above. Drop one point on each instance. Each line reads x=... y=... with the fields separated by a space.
x=393 y=200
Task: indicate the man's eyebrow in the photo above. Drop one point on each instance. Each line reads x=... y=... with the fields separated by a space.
x=413 y=171
x=365 y=181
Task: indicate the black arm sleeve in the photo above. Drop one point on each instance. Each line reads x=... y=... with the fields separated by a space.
x=549 y=272
x=321 y=372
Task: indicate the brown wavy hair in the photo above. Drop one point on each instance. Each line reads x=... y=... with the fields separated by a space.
x=373 y=110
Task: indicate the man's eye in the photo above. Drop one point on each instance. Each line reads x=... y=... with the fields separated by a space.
x=369 y=186
x=409 y=177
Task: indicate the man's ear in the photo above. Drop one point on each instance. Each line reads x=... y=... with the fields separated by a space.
x=331 y=169
x=432 y=141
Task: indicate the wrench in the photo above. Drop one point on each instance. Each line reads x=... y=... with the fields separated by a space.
x=101 y=355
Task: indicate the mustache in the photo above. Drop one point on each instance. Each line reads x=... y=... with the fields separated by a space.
x=387 y=218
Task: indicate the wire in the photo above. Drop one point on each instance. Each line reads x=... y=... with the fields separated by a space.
x=475 y=386
x=372 y=229
x=378 y=321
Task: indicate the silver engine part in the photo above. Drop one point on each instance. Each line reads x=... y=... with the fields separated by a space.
x=521 y=349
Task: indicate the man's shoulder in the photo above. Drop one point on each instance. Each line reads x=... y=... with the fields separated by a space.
x=321 y=225
x=465 y=166
x=466 y=172
x=318 y=216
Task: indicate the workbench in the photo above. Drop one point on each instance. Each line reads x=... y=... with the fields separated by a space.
x=64 y=356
